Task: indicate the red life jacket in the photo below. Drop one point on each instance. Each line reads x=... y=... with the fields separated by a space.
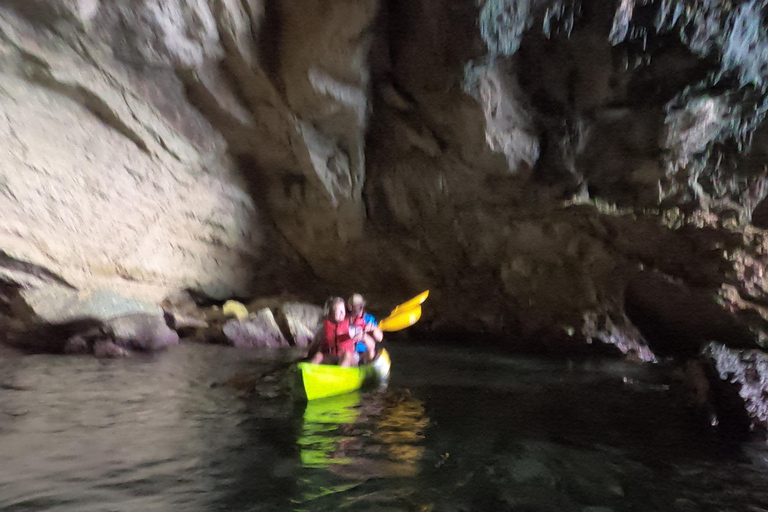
x=359 y=321
x=336 y=338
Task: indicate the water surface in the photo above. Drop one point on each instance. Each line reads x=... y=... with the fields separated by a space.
x=457 y=430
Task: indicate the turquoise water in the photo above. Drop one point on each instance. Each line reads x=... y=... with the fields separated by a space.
x=456 y=431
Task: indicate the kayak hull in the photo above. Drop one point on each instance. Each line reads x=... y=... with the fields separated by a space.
x=312 y=381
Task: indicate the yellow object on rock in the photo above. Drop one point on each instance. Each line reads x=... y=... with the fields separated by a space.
x=236 y=309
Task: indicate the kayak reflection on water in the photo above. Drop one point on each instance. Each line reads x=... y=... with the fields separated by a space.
x=348 y=439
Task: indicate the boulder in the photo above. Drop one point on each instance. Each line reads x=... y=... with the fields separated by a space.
x=181 y=312
x=141 y=331
x=303 y=321
x=258 y=330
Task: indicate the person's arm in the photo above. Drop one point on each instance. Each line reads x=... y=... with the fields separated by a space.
x=372 y=327
x=317 y=342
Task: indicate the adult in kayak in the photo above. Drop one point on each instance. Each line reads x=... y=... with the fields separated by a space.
x=333 y=342
x=362 y=322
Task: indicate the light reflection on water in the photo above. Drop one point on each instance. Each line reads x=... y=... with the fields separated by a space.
x=457 y=431
x=350 y=439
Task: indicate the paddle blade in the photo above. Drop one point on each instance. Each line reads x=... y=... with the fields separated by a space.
x=410 y=304
x=401 y=320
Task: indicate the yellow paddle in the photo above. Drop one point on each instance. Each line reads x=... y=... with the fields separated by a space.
x=412 y=303
x=401 y=320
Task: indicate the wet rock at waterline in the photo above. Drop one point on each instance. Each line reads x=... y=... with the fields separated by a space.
x=738 y=387
x=55 y=338
x=259 y=329
x=303 y=321
x=107 y=349
x=78 y=345
x=143 y=332
x=182 y=313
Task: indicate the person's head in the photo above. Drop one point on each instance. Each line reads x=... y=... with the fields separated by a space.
x=335 y=310
x=356 y=305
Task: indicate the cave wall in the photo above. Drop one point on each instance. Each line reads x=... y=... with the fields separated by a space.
x=524 y=160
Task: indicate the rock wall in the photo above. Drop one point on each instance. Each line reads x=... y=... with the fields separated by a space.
x=526 y=161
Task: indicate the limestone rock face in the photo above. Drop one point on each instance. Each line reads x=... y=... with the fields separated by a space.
x=100 y=184
x=526 y=161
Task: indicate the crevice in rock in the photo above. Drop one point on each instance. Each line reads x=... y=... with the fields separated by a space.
x=248 y=82
x=39 y=73
x=204 y=100
x=269 y=40
x=25 y=274
x=258 y=189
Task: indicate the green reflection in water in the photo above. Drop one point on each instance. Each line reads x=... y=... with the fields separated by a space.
x=321 y=438
x=350 y=440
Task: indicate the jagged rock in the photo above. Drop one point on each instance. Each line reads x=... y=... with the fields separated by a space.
x=182 y=313
x=177 y=321
x=732 y=385
x=258 y=330
x=303 y=320
x=142 y=331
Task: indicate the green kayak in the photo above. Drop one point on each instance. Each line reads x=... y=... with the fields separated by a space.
x=311 y=381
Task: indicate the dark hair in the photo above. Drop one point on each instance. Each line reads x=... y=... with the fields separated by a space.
x=331 y=303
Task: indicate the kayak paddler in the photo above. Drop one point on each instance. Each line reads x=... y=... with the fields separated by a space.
x=363 y=326
x=333 y=342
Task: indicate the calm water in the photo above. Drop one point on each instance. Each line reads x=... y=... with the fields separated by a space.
x=456 y=431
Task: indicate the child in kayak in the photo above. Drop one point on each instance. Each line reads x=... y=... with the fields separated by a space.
x=363 y=324
x=333 y=341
